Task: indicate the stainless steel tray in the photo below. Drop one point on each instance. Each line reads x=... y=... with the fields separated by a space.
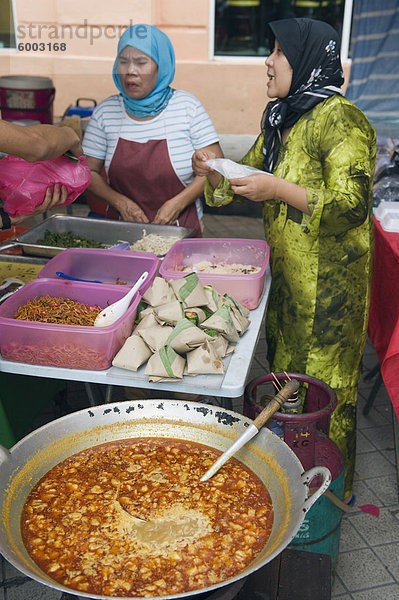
x=24 y=260
x=105 y=231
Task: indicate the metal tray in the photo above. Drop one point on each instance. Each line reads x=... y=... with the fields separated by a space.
x=105 y=231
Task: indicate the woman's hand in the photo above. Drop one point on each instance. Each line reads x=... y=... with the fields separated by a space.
x=198 y=162
x=201 y=169
x=257 y=187
x=168 y=213
x=53 y=197
x=130 y=211
x=260 y=187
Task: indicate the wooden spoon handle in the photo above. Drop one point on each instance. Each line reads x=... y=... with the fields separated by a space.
x=277 y=402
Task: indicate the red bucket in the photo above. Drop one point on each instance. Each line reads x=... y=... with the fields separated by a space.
x=26 y=97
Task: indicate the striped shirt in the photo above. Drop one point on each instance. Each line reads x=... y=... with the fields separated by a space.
x=184 y=123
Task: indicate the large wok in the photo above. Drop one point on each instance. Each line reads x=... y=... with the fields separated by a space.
x=269 y=457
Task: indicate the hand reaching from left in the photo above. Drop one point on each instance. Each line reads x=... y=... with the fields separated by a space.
x=53 y=197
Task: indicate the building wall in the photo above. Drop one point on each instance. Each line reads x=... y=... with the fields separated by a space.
x=233 y=91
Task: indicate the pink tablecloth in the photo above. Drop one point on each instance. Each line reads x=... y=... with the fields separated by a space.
x=383 y=326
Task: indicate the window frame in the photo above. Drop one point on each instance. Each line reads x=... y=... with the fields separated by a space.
x=14 y=16
x=345 y=41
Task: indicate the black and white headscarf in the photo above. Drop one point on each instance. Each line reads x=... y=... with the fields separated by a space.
x=312 y=49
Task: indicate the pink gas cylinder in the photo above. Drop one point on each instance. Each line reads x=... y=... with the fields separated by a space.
x=306 y=433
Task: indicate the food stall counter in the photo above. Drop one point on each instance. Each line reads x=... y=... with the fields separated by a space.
x=227 y=386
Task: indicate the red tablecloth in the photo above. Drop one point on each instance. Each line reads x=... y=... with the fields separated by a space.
x=383 y=326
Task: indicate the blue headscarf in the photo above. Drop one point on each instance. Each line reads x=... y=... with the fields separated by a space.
x=156 y=44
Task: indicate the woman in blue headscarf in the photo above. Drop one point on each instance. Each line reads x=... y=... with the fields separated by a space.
x=146 y=135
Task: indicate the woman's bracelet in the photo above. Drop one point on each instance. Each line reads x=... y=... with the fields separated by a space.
x=5 y=219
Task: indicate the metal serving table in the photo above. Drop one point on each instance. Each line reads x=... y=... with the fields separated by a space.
x=227 y=386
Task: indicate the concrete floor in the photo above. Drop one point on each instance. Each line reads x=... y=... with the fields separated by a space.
x=367 y=566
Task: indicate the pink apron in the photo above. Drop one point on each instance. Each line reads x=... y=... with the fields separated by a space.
x=144 y=173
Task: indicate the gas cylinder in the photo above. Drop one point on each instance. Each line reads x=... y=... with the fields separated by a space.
x=306 y=433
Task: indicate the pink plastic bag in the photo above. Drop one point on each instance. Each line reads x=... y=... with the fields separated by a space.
x=23 y=184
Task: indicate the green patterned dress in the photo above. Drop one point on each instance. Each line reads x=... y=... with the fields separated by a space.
x=321 y=264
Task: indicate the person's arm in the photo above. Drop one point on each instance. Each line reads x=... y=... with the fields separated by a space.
x=169 y=212
x=255 y=187
x=38 y=142
x=129 y=210
x=52 y=198
x=259 y=187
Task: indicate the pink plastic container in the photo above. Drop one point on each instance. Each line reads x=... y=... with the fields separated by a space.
x=245 y=288
x=68 y=346
x=26 y=97
x=111 y=267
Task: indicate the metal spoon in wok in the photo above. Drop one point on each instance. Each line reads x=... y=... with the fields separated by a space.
x=114 y=311
x=275 y=403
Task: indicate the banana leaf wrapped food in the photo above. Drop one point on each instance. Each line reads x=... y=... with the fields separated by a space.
x=186 y=336
x=204 y=360
x=155 y=337
x=222 y=321
x=159 y=292
x=170 y=313
x=215 y=299
x=164 y=365
x=133 y=354
x=189 y=290
x=147 y=322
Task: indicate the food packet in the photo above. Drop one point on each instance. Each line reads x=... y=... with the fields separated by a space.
x=204 y=360
x=169 y=313
x=164 y=365
x=186 y=336
x=220 y=344
x=145 y=312
x=215 y=300
x=148 y=321
x=222 y=322
x=141 y=308
x=189 y=290
x=196 y=314
x=133 y=354
x=159 y=292
x=227 y=299
x=155 y=337
x=241 y=323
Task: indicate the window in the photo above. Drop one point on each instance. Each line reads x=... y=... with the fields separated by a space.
x=240 y=25
x=7 y=24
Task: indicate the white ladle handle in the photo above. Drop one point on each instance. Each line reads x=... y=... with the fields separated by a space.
x=136 y=286
x=114 y=311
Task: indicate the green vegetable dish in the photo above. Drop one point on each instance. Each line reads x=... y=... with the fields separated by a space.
x=67 y=239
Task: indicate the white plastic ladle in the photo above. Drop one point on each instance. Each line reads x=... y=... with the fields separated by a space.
x=114 y=311
x=275 y=403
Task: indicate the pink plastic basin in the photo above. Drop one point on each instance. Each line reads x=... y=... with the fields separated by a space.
x=245 y=288
x=108 y=266
x=69 y=346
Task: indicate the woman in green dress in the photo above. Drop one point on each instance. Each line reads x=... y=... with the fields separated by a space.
x=318 y=153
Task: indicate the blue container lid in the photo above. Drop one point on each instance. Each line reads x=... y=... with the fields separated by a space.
x=81 y=111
